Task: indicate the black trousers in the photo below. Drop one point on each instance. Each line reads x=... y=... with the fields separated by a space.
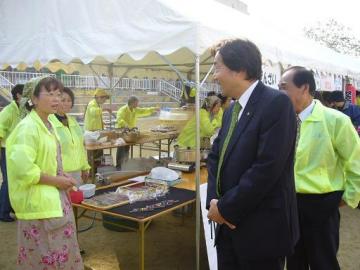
x=97 y=155
x=318 y=245
x=229 y=260
x=5 y=207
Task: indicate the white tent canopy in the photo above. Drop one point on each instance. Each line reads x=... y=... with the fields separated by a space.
x=133 y=32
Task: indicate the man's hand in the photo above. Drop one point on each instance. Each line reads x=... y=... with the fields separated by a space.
x=342 y=203
x=215 y=215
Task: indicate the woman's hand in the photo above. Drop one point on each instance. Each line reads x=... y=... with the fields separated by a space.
x=84 y=176
x=65 y=182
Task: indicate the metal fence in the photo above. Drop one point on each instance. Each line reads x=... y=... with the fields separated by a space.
x=92 y=82
x=10 y=78
x=170 y=88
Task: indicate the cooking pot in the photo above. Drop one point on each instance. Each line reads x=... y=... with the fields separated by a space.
x=185 y=155
x=188 y=155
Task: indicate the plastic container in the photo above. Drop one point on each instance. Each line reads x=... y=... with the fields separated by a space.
x=88 y=190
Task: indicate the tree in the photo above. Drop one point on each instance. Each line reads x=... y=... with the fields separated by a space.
x=334 y=35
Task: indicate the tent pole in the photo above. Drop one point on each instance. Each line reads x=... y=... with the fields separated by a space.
x=97 y=74
x=197 y=165
x=207 y=75
x=121 y=77
x=203 y=63
x=111 y=88
x=181 y=76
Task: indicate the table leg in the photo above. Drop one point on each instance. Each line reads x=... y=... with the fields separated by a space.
x=132 y=151
x=75 y=210
x=168 y=146
x=141 y=245
x=159 y=150
x=92 y=164
x=140 y=150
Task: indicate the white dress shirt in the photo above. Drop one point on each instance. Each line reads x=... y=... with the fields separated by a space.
x=243 y=100
x=307 y=111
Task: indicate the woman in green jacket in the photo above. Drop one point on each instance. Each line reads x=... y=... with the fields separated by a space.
x=38 y=187
x=70 y=135
x=225 y=103
x=208 y=111
x=93 y=118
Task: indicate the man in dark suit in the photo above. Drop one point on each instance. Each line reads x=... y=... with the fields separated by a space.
x=251 y=193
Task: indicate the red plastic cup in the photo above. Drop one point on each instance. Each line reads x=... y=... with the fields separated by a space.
x=76 y=196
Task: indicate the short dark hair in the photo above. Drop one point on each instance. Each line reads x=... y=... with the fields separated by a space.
x=222 y=98
x=49 y=84
x=17 y=89
x=326 y=96
x=336 y=96
x=68 y=91
x=242 y=55
x=211 y=93
x=319 y=96
x=303 y=76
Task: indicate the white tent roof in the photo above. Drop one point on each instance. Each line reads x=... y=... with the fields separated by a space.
x=129 y=32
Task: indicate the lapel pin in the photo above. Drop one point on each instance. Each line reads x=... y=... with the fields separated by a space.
x=248 y=113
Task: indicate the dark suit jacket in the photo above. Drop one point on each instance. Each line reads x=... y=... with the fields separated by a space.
x=257 y=178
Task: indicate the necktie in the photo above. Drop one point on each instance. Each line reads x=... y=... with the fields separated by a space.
x=234 y=119
x=298 y=125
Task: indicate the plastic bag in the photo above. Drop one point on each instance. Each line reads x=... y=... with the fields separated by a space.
x=91 y=137
x=163 y=173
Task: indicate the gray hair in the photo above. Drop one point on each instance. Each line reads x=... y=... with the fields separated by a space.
x=132 y=100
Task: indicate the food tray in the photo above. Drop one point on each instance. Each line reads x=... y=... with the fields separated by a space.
x=108 y=200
